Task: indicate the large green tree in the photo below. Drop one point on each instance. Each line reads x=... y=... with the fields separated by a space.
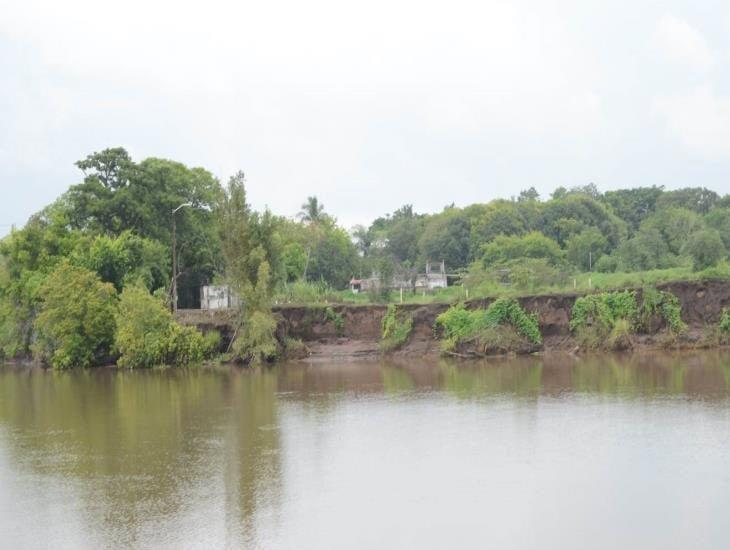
x=119 y=195
x=633 y=205
x=446 y=237
x=562 y=218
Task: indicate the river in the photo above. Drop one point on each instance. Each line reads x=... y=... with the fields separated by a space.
x=554 y=452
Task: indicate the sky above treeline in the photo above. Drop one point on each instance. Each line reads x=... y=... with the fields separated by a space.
x=368 y=105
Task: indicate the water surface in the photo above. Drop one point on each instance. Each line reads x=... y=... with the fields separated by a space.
x=603 y=452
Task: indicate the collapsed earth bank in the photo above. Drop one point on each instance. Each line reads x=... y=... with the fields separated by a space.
x=355 y=331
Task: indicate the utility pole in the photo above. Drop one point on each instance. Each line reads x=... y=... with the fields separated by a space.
x=173 y=304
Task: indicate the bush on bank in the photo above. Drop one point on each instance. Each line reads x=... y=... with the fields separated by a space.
x=503 y=326
x=147 y=335
x=609 y=319
x=665 y=305
x=605 y=320
x=75 y=325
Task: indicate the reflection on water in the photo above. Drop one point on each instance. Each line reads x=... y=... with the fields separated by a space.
x=598 y=452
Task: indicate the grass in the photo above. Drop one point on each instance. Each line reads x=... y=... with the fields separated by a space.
x=301 y=293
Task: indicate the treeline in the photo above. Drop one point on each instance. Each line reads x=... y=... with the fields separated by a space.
x=115 y=228
x=576 y=229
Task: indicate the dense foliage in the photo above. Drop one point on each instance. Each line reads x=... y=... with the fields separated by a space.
x=75 y=323
x=665 y=305
x=459 y=324
x=604 y=309
x=148 y=336
x=605 y=320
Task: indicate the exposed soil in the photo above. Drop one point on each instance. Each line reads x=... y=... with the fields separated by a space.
x=357 y=336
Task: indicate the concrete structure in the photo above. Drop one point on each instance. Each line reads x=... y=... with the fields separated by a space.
x=374 y=283
x=217 y=297
x=428 y=281
x=431 y=280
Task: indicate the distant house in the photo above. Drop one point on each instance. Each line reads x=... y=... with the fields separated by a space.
x=374 y=283
x=431 y=280
x=217 y=297
x=428 y=281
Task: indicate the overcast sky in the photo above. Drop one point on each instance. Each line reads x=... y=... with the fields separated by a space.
x=368 y=105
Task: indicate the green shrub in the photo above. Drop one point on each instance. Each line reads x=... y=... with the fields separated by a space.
x=706 y=249
x=257 y=342
x=148 y=336
x=395 y=329
x=664 y=304
x=75 y=326
x=459 y=324
x=605 y=309
x=606 y=264
x=604 y=319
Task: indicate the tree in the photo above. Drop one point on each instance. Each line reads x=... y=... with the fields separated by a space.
x=312 y=211
x=697 y=199
x=719 y=219
x=561 y=218
x=124 y=259
x=248 y=243
x=118 y=195
x=446 y=237
x=113 y=167
x=363 y=239
x=294 y=257
x=527 y=195
x=675 y=225
x=586 y=248
x=499 y=217
x=533 y=245
x=590 y=190
x=402 y=239
x=633 y=205
x=75 y=326
x=706 y=249
x=559 y=193
x=27 y=256
x=333 y=257
x=646 y=250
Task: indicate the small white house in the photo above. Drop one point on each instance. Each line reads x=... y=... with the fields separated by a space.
x=217 y=297
x=432 y=280
x=428 y=281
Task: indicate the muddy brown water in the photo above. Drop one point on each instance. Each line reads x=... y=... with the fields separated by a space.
x=552 y=452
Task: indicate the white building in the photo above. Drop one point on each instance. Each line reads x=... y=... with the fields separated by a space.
x=432 y=280
x=217 y=297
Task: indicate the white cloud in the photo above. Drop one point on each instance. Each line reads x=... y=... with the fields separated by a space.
x=699 y=120
x=683 y=44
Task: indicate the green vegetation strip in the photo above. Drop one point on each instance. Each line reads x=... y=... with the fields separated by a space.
x=460 y=324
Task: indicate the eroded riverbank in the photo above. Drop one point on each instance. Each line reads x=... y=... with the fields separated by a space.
x=357 y=334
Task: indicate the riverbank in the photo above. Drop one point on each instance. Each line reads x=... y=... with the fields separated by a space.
x=353 y=332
